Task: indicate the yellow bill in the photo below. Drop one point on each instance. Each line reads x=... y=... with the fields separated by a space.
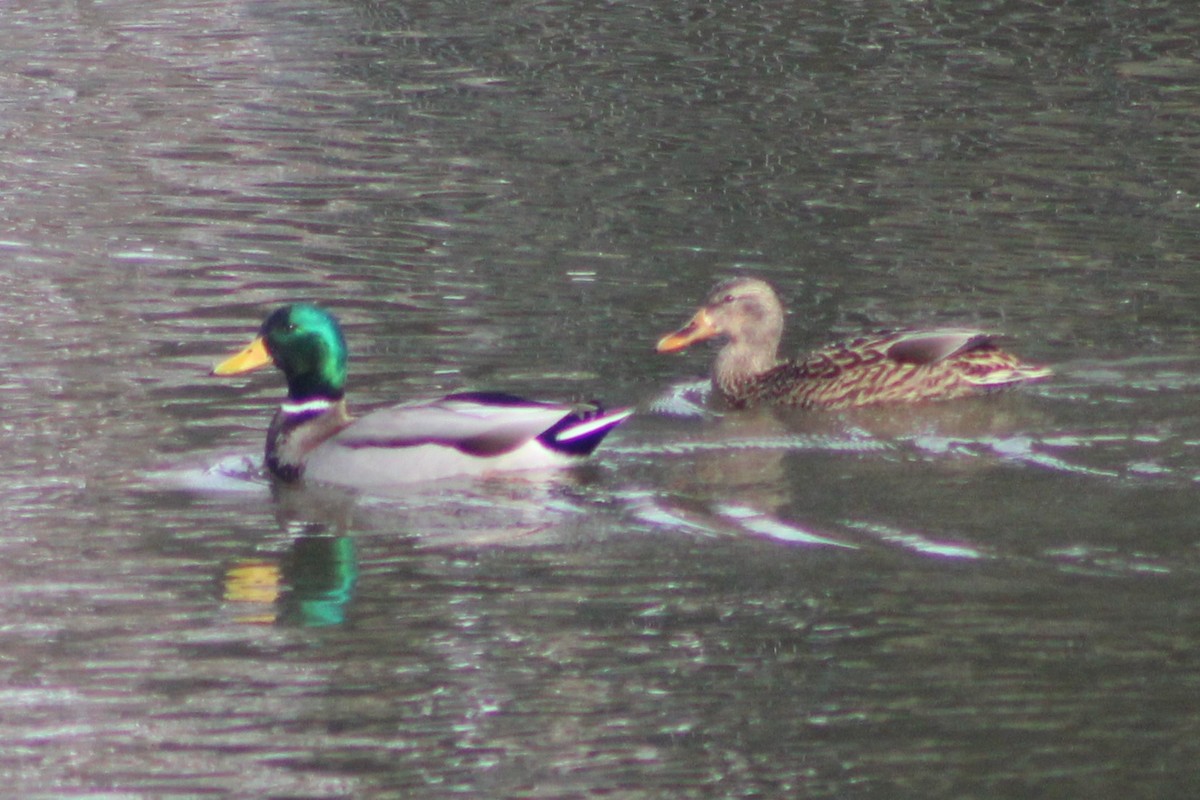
x=254 y=356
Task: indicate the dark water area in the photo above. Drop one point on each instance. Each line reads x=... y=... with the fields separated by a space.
x=975 y=599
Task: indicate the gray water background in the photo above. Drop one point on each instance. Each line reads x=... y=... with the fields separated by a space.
x=992 y=599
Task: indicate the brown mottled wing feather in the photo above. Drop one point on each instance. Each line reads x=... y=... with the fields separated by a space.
x=888 y=367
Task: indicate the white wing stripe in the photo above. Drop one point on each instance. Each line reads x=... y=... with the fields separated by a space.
x=592 y=425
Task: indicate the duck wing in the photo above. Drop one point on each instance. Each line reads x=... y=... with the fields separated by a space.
x=483 y=424
x=931 y=346
x=904 y=366
x=972 y=355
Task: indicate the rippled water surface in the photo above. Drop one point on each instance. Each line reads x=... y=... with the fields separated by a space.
x=978 y=599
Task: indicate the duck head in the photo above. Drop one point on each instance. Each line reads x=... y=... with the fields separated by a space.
x=306 y=344
x=744 y=311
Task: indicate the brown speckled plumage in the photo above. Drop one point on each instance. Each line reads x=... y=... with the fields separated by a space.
x=904 y=366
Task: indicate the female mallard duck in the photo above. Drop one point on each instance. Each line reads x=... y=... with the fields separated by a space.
x=903 y=366
x=470 y=433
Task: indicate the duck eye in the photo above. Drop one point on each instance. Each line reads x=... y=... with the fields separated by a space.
x=728 y=298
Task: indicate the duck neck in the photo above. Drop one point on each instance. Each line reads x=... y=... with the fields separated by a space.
x=314 y=387
x=741 y=361
x=297 y=429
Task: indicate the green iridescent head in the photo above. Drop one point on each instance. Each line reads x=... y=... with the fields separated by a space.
x=306 y=344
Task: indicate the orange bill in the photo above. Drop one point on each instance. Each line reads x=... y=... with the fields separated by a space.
x=254 y=356
x=699 y=328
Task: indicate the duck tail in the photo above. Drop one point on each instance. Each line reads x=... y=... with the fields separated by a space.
x=581 y=431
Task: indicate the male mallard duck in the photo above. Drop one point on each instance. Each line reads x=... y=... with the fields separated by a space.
x=470 y=433
x=904 y=366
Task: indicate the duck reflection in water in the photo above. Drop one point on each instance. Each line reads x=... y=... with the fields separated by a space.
x=311 y=586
